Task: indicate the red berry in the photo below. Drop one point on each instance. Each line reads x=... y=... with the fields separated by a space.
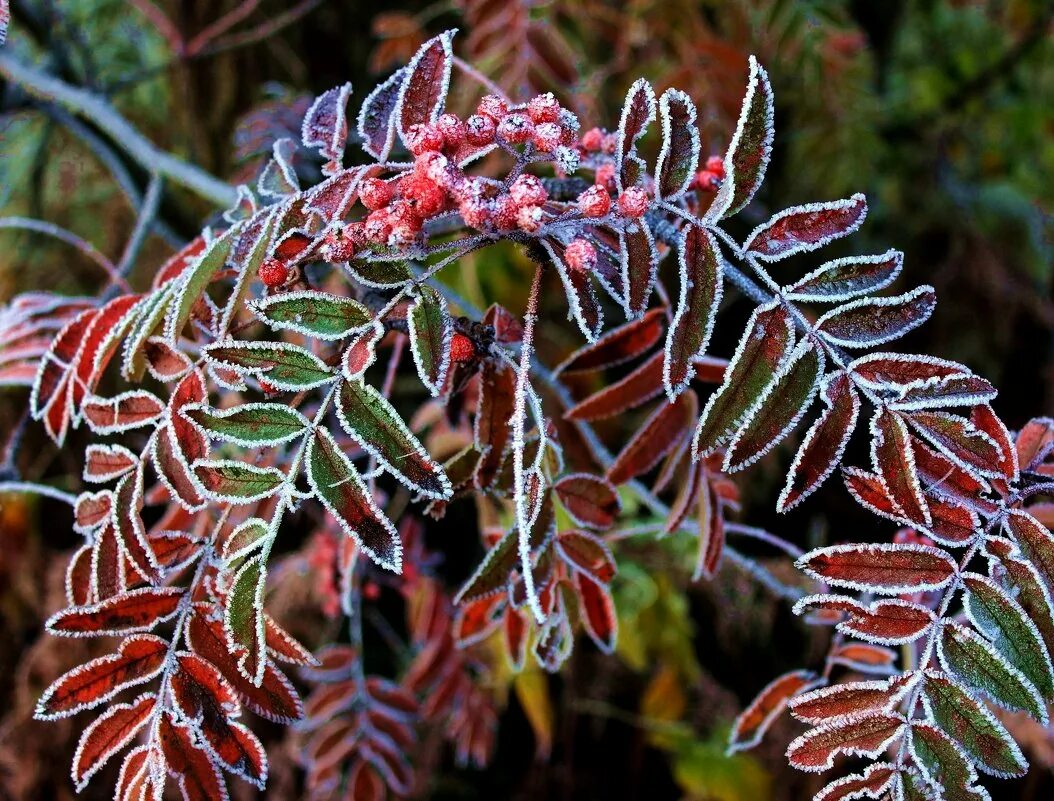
x=480 y=129
x=527 y=190
x=340 y=247
x=422 y=195
x=378 y=226
x=505 y=208
x=544 y=108
x=516 y=129
x=609 y=144
x=595 y=202
x=436 y=167
x=267 y=387
x=580 y=255
x=592 y=140
x=462 y=349
x=707 y=181
x=273 y=272
x=371 y=591
x=476 y=212
x=405 y=221
x=716 y=165
x=633 y=202
x=420 y=138
x=453 y=130
x=605 y=176
x=492 y=106
x=547 y=136
x=530 y=218
x=375 y=193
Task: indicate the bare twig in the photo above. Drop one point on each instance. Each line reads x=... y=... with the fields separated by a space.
x=50 y=229
x=147 y=213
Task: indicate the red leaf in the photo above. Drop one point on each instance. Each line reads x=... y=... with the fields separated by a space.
x=851 y=698
x=987 y=422
x=874 y=782
x=888 y=622
x=578 y=287
x=868 y=322
x=885 y=569
x=138 y=659
x=711 y=532
x=701 y=274
x=91 y=360
x=959 y=440
x=106 y=462
x=1034 y=442
x=843 y=279
x=640 y=386
x=376 y=120
x=325 y=125
x=110 y=732
x=639 y=260
x=598 y=612
x=752 y=723
x=868 y=490
x=618 y=345
x=128 y=410
x=425 y=85
x=865 y=734
x=198 y=778
x=497 y=395
x=591 y=501
x=53 y=375
x=588 y=553
x=803 y=228
x=638 y=111
x=679 y=156
x=894 y=460
x=667 y=426
x=135 y=610
x=748 y=153
x=901 y=370
x=92 y=510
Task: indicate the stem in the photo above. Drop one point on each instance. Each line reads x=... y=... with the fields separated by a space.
x=38 y=489
x=70 y=238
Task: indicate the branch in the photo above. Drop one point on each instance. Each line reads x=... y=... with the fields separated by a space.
x=99 y=111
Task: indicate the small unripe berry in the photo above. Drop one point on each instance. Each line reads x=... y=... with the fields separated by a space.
x=530 y=218
x=547 y=136
x=527 y=190
x=716 y=165
x=339 y=246
x=566 y=159
x=633 y=202
x=544 y=108
x=452 y=129
x=462 y=349
x=273 y=272
x=605 y=176
x=707 y=181
x=610 y=143
x=378 y=226
x=493 y=106
x=592 y=140
x=375 y=193
x=516 y=129
x=480 y=130
x=595 y=202
x=580 y=255
x=421 y=138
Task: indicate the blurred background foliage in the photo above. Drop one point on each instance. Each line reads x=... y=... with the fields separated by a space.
x=941 y=111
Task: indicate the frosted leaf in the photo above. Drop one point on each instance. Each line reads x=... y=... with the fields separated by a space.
x=679 y=156
x=376 y=121
x=325 y=126
x=425 y=84
x=868 y=322
x=804 y=228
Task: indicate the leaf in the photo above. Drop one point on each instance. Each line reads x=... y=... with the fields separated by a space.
x=987 y=422
x=752 y=723
x=883 y=568
x=278 y=179
x=598 y=612
x=943 y=763
x=361 y=352
x=959 y=440
x=888 y=622
x=617 y=346
x=1032 y=594
x=251 y=424
x=638 y=111
x=639 y=386
x=803 y=228
x=314 y=314
x=638 y=260
x=92 y=510
x=866 y=734
x=381 y=274
x=701 y=275
x=868 y=322
x=894 y=461
x=431 y=330
x=492 y=574
x=325 y=126
x=874 y=782
x=589 y=500
x=243 y=619
x=953 y=390
x=425 y=84
x=1036 y=544
x=338 y=485
x=587 y=552
x=497 y=391
x=824 y=443
x=128 y=410
x=195 y=773
x=978 y=665
x=763 y=350
x=230 y=481
x=193 y=281
x=850 y=698
x=139 y=659
x=373 y=422
x=844 y=279
x=779 y=408
x=107 y=735
x=751 y=146
x=376 y=120
x=281 y=364
x=679 y=156
x=659 y=434
x=244 y=539
x=127 y=613
x=901 y=371
x=104 y=463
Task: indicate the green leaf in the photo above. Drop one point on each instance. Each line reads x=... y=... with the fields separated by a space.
x=316 y=314
x=977 y=664
x=381 y=274
x=195 y=279
x=148 y=322
x=336 y=482
x=244 y=539
x=1035 y=542
x=243 y=619
x=282 y=365
x=1002 y=619
x=251 y=424
x=943 y=763
x=492 y=575
x=973 y=727
x=430 y=333
x=368 y=416
x=237 y=482
x=1031 y=592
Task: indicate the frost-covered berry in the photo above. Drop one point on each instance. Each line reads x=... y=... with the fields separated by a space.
x=475 y=211
x=566 y=159
x=375 y=193
x=527 y=190
x=356 y=232
x=493 y=106
x=462 y=349
x=544 y=108
x=480 y=130
x=273 y=272
x=580 y=255
x=516 y=129
x=420 y=138
x=592 y=140
x=530 y=218
x=378 y=226
x=610 y=143
x=453 y=130
x=406 y=223
x=605 y=176
x=633 y=202
x=716 y=165
x=421 y=194
x=547 y=136
x=595 y=202
x=339 y=246
x=707 y=181
x=436 y=167
x=568 y=120
x=505 y=208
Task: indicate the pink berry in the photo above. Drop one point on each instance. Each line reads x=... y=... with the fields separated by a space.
x=492 y=106
x=605 y=176
x=580 y=255
x=527 y=190
x=547 y=136
x=609 y=144
x=452 y=129
x=378 y=226
x=592 y=140
x=406 y=224
x=339 y=246
x=595 y=202
x=476 y=212
x=420 y=138
x=516 y=129
x=375 y=193
x=716 y=165
x=435 y=167
x=633 y=202
x=480 y=130
x=544 y=108
x=530 y=218
x=273 y=272
x=505 y=208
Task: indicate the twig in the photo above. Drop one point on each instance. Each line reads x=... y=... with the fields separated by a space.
x=99 y=111
x=38 y=489
x=42 y=227
x=480 y=78
x=147 y=213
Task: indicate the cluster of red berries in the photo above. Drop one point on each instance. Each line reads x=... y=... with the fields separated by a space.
x=710 y=177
